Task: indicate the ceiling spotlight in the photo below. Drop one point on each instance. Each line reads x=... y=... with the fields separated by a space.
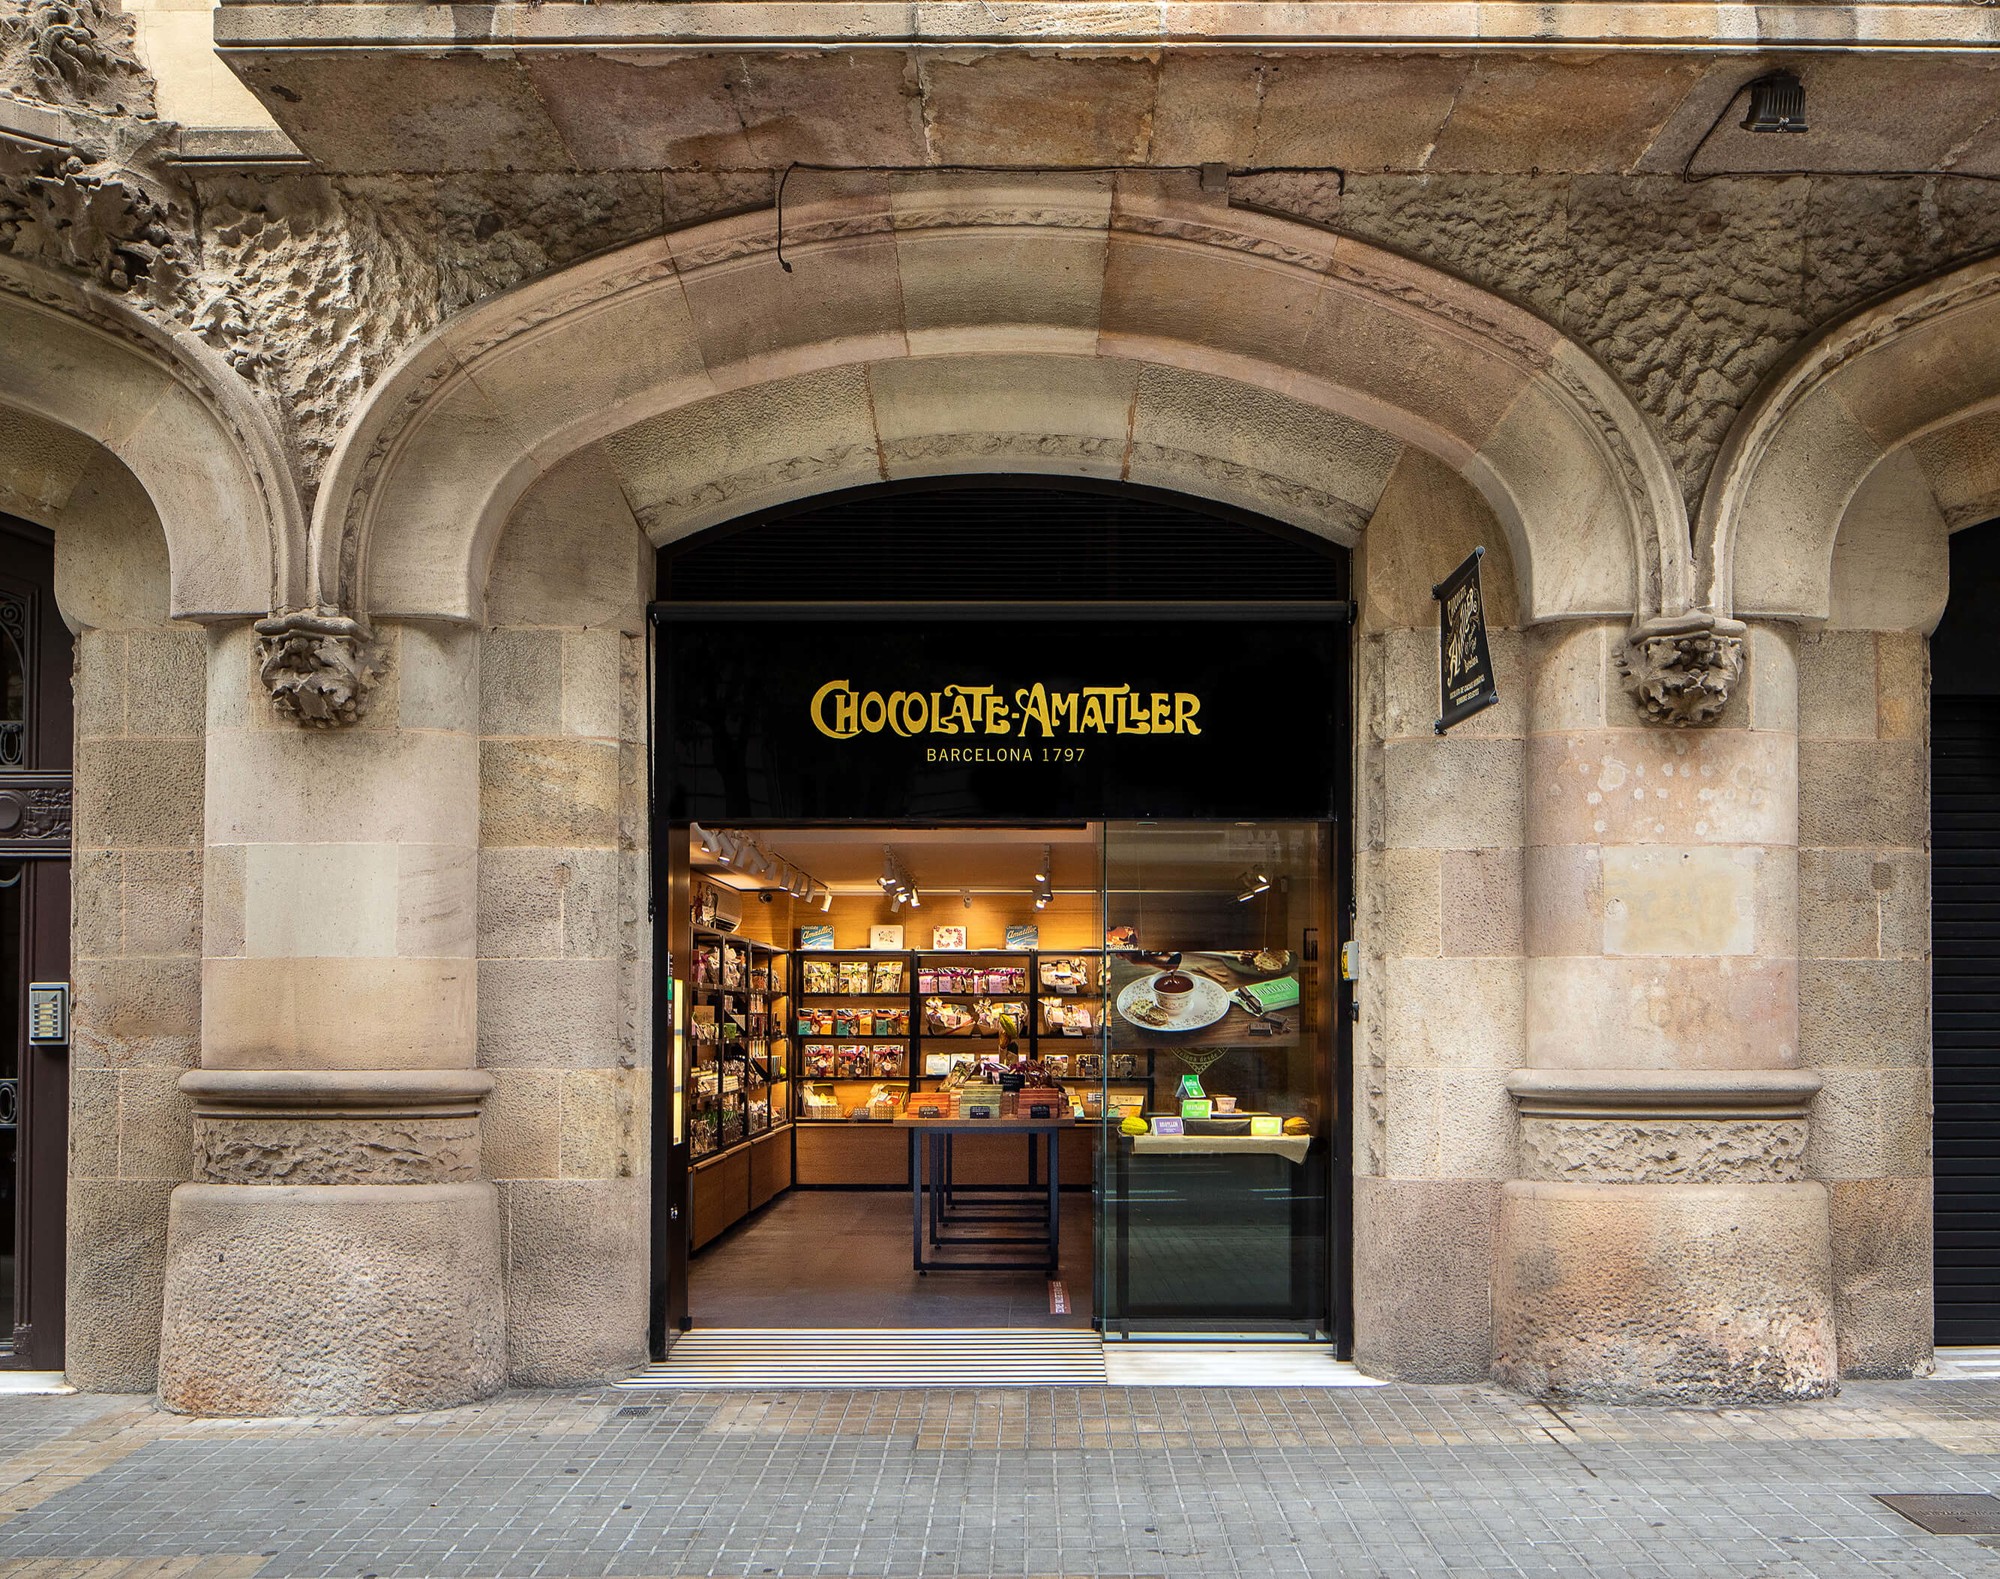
x=1042 y=871
x=1254 y=882
x=889 y=878
x=966 y=895
x=1777 y=104
x=826 y=901
x=916 y=899
x=709 y=842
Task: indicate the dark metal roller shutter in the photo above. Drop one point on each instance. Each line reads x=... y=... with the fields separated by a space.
x=1965 y=991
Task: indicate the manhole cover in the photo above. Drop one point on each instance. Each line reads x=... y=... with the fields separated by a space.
x=1964 y=1513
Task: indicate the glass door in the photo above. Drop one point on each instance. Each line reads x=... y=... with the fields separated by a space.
x=1214 y=1179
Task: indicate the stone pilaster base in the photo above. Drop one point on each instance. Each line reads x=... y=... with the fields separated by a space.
x=338 y=1251
x=296 y=1299
x=1667 y=1293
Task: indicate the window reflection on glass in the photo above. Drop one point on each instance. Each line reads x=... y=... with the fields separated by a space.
x=1218 y=1015
x=13 y=691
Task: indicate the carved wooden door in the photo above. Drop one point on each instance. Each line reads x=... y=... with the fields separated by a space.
x=36 y=739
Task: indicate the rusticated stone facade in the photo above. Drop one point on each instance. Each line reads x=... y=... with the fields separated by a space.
x=359 y=400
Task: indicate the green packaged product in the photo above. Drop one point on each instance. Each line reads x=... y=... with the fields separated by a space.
x=1282 y=993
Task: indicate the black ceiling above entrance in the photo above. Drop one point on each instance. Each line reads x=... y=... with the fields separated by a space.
x=1002 y=539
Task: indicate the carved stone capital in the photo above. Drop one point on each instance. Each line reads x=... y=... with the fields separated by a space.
x=347 y=1127
x=1681 y=668
x=74 y=52
x=318 y=667
x=1663 y=1126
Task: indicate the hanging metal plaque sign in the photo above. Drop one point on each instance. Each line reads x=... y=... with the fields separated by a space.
x=1465 y=667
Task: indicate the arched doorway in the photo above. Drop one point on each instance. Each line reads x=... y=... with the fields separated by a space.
x=36 y=743
x=997 y=584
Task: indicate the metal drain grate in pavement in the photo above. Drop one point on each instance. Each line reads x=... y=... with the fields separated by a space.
x=1960 y=1513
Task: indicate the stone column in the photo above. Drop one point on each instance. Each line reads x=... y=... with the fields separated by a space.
x=338 y=1248
x=1662 y=1241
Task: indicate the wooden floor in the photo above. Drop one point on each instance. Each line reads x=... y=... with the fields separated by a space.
x=841 y=1258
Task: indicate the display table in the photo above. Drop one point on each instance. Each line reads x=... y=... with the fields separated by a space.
x=1215 y=1232
x=1292 y=1148
x=943 y=1228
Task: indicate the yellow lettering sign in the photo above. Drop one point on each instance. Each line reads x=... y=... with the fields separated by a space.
x=840 y=712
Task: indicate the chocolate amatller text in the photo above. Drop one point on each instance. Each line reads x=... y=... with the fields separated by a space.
x=841 y=713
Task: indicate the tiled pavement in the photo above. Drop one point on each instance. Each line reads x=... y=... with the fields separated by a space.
x=1395 y=1481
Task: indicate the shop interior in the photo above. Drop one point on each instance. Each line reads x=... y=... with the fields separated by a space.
x=1147 y=1008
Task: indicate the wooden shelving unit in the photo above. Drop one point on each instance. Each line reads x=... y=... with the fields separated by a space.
x=1084 y=1051
x=740 y=1016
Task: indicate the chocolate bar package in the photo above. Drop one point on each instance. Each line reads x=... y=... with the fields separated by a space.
x=1282 y=993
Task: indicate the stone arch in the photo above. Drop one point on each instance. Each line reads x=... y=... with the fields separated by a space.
x=1881 y=435
x=153 y=404
x=1050 y=325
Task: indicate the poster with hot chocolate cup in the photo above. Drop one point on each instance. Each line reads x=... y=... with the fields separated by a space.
x=1214 y=997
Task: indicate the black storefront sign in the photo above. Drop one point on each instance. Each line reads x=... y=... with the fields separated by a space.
x=1465 y=667
x=981 y=713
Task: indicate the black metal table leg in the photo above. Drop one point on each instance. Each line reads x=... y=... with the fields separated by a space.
x=916 y=1203
x=1055 y=1199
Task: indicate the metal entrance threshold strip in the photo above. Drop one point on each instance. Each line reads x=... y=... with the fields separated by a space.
x=850 y=1357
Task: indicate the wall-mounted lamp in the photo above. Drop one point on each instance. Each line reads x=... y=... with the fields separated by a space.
x=1777 y=104
x=1253 y=882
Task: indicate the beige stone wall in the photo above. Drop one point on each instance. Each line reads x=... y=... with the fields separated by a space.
x=176 y=43
x=136 y=922
x=1438 y=872
x=564 y=963
x=1864 y=979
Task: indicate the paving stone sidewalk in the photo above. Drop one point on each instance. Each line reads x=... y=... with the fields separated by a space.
x=1392 y=1482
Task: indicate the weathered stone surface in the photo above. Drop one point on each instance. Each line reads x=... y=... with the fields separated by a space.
x=1667 y=1293
x=74 y=52
x=576 y=1279
x=1663 y=1150
x=1863 y=1013
x=1423 y=1278
x=516 y=1030
x=548 y=791
x=1866 y=793
x=345 y=1150
x=387 y=1297
x=1453 y=1013
x=1882 y=1275
x=116 y=1267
